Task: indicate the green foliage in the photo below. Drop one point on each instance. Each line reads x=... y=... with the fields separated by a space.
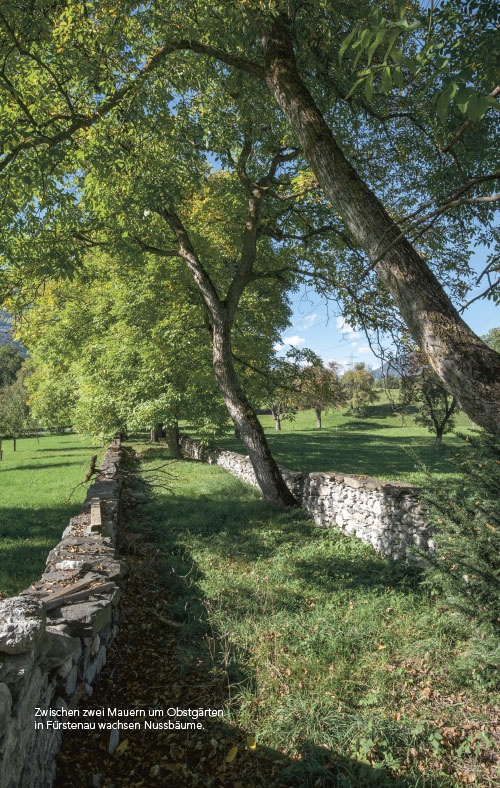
x=13 y=408
x=466 y=518
x=447 y=49
x=422 y=389
x=492 y=338
x=318 y=387
x=11 y=360
x=359 y=385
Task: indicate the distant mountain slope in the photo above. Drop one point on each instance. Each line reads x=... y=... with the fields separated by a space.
x=387 y=368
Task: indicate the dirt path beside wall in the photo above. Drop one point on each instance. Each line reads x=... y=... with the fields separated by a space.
x=143 y=673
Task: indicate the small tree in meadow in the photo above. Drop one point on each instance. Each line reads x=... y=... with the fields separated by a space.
x=13 y=411
x=359 y=387
x=421 y=388
x=318 y=387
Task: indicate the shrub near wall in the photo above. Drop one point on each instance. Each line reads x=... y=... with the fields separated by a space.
x=388 y=515
x=54 y=636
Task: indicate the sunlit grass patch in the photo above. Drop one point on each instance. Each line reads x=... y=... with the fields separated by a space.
x=330 y=651
x=35 y=484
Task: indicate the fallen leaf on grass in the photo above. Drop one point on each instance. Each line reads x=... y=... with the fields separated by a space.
x=122 y=747
x=231 y=754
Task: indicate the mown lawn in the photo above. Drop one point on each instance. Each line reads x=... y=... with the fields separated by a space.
x=377 y=445
x=35 y=484
x=338 y=658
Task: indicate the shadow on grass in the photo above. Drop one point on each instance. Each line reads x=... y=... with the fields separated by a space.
x=252 y=531
x=81 y=448
x=26 y=538
x=352 y=452
x=39 y=466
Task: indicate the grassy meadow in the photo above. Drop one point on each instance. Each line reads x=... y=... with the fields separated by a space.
x=331 y=655
x=341 y=665
x=35 y=484
x=378 y=444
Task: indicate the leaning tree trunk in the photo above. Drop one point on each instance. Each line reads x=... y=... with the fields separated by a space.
x=469 y=368
x=266 y=470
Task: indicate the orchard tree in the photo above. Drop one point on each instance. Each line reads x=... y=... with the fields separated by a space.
x=13 y=411
x=421 y=388
x=359 y=388
x=279 y=388
x=68 y=71
x=318 y=387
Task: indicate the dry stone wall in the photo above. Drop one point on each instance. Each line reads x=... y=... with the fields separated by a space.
x=388 y=515
x=55 y=635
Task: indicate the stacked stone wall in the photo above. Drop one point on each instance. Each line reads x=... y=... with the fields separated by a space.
x=54 y=636
x=388 y=515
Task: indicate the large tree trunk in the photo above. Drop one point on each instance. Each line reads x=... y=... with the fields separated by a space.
x=468 y=367
x=317 y=411
x=266 y=470
x=155 y=434
x=172 y=436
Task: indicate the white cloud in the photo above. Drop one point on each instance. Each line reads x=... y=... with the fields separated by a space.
x=294 y=341
x=277 y=347
x=364 y=349
x=308 y=321
x=347 y=330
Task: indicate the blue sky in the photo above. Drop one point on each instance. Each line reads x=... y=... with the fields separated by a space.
x=317 y=325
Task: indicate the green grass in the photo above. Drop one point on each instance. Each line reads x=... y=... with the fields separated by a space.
x=376 y=445
x=35 y=482
x=332 y=654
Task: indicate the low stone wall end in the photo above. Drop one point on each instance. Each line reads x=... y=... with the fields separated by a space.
x=388 y=515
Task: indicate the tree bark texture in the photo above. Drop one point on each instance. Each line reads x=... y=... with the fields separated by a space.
x=172 y=437
x=467 y=366
x=265 y=467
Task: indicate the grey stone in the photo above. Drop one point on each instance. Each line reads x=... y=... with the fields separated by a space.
x=87 y=618
x=58 y=648
x=5 y=708
x=22 y=624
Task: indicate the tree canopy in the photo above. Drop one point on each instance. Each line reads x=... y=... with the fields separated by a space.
x=362 y=136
